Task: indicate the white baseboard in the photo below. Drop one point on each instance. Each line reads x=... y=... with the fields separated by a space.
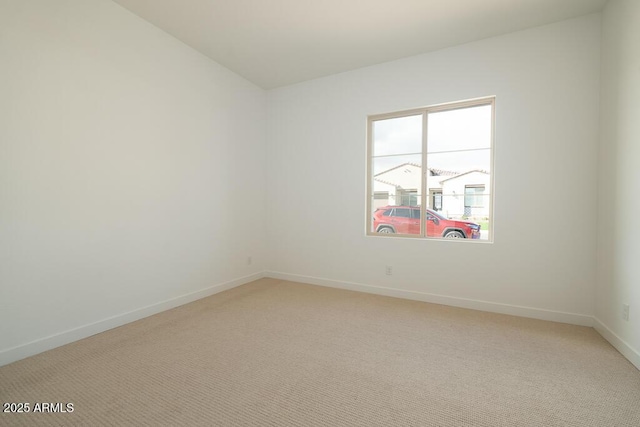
x=622 y=346
x=38 y=346
x=514 y=310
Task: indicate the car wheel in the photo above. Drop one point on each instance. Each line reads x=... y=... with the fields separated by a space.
x=454 y=235
x=386 y=230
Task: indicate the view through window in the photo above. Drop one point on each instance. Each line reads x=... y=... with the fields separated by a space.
x=430 y=171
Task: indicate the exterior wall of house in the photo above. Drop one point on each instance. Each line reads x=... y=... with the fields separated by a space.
x=407 y=178
x=381 y=187
x=453 y=195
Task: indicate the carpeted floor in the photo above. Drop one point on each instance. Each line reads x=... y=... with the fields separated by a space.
x=276 y=353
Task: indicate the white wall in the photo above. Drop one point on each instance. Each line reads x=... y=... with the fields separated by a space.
x=619 y=238
x=547 y=85
x=131 y=172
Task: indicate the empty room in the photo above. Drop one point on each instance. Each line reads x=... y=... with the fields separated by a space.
x=335 y=213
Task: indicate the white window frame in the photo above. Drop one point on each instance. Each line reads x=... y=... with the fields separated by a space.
x=425 y=111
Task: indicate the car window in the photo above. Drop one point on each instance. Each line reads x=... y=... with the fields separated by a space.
x=404 y=213
x=387 y=212
x=415 y=213
x=431 y=215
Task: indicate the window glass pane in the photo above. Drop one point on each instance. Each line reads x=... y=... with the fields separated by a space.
x=460 y=189
x=463 y=180
x=462 y=129
x=401 y=135
x=457 y=176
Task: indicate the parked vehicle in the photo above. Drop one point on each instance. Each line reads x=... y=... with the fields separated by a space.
x=406 y=220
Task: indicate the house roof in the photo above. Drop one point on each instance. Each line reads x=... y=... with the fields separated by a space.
x=380 y=177
x=465 y=173
x=434 y=171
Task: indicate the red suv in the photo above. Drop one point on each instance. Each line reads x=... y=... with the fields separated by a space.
x=406 y=220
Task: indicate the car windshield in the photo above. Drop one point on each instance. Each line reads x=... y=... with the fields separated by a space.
x=436 y=214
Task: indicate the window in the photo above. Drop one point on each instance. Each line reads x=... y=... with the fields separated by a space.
x=435 y=199
x=404 y=213
x=409 y=198
x=433 y=163
x=474 y=196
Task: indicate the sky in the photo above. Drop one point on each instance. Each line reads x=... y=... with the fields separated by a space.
x=457 y=140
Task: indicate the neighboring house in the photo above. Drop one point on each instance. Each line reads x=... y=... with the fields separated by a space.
x=454 y=194
x=399 y=185
x=466 y=194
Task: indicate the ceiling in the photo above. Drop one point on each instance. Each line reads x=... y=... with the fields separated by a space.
x=275 y=43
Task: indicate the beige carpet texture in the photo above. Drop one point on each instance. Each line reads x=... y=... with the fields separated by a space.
x=277 y=353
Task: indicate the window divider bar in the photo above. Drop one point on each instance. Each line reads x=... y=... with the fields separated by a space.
x=462 y=150
x=425 y=190
x=404 y=154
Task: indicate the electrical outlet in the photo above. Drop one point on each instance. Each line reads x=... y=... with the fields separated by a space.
x=249 y=260
x=625 y=312
x=388 y=270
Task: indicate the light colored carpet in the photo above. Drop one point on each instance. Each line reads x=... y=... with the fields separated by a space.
x=276 y=353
